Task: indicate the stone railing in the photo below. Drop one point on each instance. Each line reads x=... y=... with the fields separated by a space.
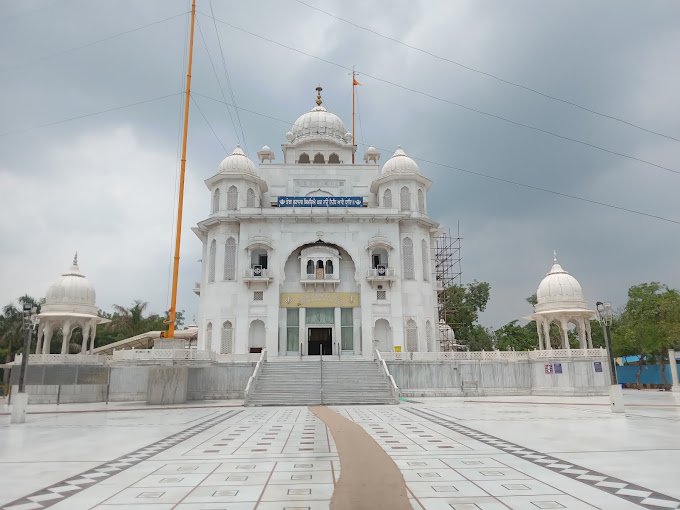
x=494 y=355
x=163 y=354
x=258 y=273
x=237 y=358
x=387 y=272
x=256 y=372
x=325 y=276
x=79 y=359
x=393 y=385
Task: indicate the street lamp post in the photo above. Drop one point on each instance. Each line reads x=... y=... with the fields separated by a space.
x=20 y=400
x=605 y=315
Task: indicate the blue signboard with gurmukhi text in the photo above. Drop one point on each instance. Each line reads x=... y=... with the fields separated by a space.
x=320 y=201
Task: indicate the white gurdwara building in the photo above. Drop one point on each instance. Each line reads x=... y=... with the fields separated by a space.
x=317 y=254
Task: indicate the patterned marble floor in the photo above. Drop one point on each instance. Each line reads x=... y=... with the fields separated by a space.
x=454 y=454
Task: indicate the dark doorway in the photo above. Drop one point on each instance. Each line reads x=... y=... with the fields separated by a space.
x=320 y=341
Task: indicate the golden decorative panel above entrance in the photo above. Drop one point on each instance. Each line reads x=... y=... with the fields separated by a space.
x=319 y=299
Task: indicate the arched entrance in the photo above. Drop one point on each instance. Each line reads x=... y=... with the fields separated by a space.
x=382 y=335
x=256 y=336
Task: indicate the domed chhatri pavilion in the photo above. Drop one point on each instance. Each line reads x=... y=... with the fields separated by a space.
x=69 y=305
x=560 y=300
x=317 y=254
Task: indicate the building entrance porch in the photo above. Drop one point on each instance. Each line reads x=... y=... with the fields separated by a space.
x=319 y=341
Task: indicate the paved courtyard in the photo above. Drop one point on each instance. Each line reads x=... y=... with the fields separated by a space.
x=463 y=454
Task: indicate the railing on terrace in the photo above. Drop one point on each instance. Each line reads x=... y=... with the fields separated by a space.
x=80 y=359
x=163 y=354
x=494 y=355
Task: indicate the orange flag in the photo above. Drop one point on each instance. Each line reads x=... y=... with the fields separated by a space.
x=355 y=82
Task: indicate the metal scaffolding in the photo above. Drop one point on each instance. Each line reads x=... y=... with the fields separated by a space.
x=447 y=269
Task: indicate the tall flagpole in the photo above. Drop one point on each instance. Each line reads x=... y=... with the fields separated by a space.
x=353 y=86
x=170 y=333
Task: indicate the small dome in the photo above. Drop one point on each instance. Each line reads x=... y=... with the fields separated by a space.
x=400 y=163
x=318 y=123
x=237 y=162
x=559 y=290
x=71 y=292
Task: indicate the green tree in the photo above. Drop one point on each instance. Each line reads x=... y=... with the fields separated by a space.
x=512 y=336
x=463 y=303
x=649 y=324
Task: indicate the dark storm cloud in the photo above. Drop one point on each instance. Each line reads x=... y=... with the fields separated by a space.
x=104 y=184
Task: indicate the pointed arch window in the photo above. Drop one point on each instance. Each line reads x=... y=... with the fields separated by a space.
x=208 y=337
x=405 y=199
x=250 y=198
x=411 y=336
x=334 y=159
x=232 y=198
x=387 y=199
x=216 y=201
x=211 y=261
x=304 y=158
x=407 y=254
x=426 y=261
x=230 y=259
x=421 y=201
x=226 y=342
x=319 y=159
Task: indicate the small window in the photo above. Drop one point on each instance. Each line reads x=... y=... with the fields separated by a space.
x=405 y=199
x=387 y=199
x=250 y=198
x=319 y=159
x=216 y=201
x=310 y=267
x=421 y=201
x=258 y=295
x=304 y=158
x=211 y=261
x=381 y=295
x=329 y=266
x=333 y=159
x=232 y=198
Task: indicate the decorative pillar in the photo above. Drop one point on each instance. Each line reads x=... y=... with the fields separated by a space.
x=564 y=334
x=337 y=331
x=546 y=334
x=303 y=332
x=47 y=341
x=589 y=333
x=38 y=343
x=539 y=330
x=66 y=331
x=85 y=328
x=581 y=330
x=93 y=334
x=674 y=371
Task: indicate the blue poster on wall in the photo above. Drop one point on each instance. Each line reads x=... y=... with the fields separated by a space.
x=320 y=201
x=598 y=366
x=558 y=368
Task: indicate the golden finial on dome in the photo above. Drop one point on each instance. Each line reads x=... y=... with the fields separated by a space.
x=318 y=95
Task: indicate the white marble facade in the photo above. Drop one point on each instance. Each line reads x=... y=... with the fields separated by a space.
x=301 y=280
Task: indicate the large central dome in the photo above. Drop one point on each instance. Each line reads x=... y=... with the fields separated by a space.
x=318 y=123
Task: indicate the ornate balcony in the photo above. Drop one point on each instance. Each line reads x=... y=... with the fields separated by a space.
x=257 y=274
x=320 y=279
x=381 y=274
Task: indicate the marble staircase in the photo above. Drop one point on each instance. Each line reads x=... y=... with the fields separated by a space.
x=312 y=381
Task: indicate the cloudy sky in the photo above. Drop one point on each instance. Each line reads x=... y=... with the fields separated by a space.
x=104 y=184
